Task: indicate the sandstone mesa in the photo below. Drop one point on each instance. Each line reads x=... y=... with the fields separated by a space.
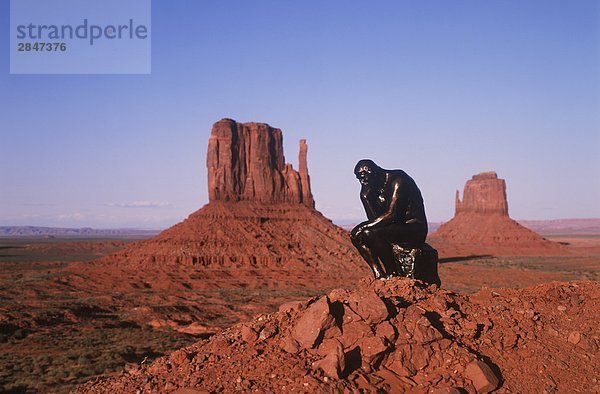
x=481 y=224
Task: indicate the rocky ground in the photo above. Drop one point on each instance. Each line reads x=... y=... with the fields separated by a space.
x=394 y=335
x=63 y=323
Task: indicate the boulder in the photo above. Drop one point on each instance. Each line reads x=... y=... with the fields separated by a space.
x=369 y=307
x=315 y=319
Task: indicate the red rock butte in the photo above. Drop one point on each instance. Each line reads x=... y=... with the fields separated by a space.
x=245 y=162
x=484 y=194
x=481 y=224
x=259 y=228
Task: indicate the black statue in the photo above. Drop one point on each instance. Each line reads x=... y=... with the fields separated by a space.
x=392 y=240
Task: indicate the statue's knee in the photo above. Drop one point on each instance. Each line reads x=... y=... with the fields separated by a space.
x=355 y=237
x=368 y=234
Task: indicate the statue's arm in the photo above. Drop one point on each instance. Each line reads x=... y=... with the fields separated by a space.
x=388 y=216
x=364 y=198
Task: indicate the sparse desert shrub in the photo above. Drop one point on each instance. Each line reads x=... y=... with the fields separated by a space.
x=72 y=355
x=85 y=372
x=83 y=360
x=20 y=334
x=39 y=369
x=52 y=373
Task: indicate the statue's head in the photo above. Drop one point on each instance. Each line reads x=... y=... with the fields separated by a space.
x=367 y=172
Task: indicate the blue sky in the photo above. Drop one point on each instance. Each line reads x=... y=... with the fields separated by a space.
x=441 y=89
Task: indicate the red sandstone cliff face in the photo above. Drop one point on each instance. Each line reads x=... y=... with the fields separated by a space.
x=481 y=224
x=245 y=161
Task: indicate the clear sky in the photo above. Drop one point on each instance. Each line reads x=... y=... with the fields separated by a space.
x=441 y=89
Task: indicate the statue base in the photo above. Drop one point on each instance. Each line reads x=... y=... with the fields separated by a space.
x=417 y=263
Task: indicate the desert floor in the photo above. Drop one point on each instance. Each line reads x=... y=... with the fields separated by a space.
x=59 y=328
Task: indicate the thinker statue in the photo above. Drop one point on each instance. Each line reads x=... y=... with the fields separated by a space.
x=392 y=240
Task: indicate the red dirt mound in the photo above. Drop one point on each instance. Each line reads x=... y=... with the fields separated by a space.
x=395 y=335
x=481 y=225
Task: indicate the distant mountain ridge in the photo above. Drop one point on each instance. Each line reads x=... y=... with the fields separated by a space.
x=563 y=226
x=549 y=227
x=29 y=231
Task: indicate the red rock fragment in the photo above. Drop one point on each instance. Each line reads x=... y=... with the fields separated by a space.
x=292 y=306
x=333 y=364
x=395 y=383
x=446 y=390
x=268 y=331
x=350 y=317
x=482 y=376
x=574 y=337
x=190 y=390
x=353 y=332
x=289 y=345
x=386 y=331
x=248 y=334
x=332 y=332
x=371 y=348
x=421 y=355
x=425 y=333
x=369 y=307
x=180 y=357
x=310 y=324
x=339 y=295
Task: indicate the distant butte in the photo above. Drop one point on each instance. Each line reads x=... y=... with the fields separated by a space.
x=260 y=227
x=483 y=194
x=481 y=224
